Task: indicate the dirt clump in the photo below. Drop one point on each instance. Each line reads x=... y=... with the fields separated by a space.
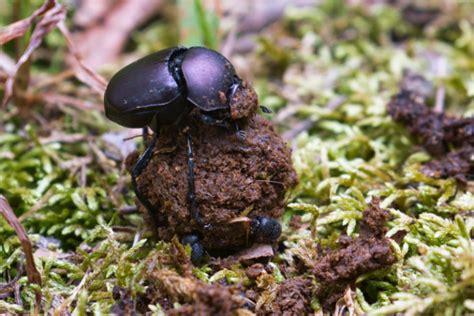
x=255 y=270
x=293 y=297
x=211 y=300
x=457 y=164
x=244 y=103
x=368 y=252
x=236 y=179
x=194 y=296
x=450 y=140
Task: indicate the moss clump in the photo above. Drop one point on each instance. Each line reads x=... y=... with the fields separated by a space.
x=342 y=66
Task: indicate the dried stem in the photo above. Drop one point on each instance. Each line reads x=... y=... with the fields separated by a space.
x=12 y=220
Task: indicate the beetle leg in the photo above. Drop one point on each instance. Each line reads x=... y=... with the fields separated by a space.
x=145 y=135
x=209 y=120
x=197 y=250
x=240 y=133
x=138 y=168
x=265 y=229
x=191 y=190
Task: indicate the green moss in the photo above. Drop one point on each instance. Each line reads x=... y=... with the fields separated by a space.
x=349 y=152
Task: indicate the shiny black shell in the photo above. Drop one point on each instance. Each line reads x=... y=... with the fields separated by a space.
x=208 y=76
x=163 y=86
x=143 y=89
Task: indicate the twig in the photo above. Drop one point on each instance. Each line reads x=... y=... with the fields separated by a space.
x=228 y=44
x=6 y=289
x=132 y=137
x=83 y=72
x=53 y=14
x=39 y=205
x=297 y=129
x=58 y=311
x=345 y=305
x=31 y=272
x=56 y=79
x=17 y=295
x=19 y=28
x=113 y=31
x=439 y=103
x=60 y=137
x=129 y=209
x=7 y=64
x=104 y=162
x=58 y=98
x=124 y=229
x=336 y=102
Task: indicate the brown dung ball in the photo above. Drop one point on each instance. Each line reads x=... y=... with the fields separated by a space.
x=235 y=180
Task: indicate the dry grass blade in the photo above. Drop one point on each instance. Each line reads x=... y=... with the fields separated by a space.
x=53 y=15
x=55 y=99
x=12 y=220
x=19 y=28
x=83 y=72
x=60 y=310
x=114 y=30
x=49 y=20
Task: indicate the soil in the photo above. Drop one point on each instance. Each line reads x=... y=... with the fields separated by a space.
x=449 y=139
x=255 y=270
x=368 y=252
x=293 y=297
x=125 y=304
x=244 y=103
x=194 y=296
x=235 y=179
x=457 y=164
x=211 y=300
x=334 y=271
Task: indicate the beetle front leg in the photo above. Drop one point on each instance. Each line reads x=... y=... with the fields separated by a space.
x=138 y=168
x=145 y=135
x=191 y=189
x=225 y=123
x=265 y=229
x=209 y=120
x=197 y=250
x=240 y=133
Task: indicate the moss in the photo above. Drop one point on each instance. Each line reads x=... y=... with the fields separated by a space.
x=67 y=183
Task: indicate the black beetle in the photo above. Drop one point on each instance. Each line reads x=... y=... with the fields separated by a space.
x=160 y=89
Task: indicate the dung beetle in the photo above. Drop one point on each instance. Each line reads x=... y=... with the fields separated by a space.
x=159 y=90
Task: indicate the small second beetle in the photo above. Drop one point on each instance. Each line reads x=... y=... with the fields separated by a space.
x=160 y=89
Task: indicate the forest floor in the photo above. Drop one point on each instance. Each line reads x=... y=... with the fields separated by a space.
x=376 y=103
